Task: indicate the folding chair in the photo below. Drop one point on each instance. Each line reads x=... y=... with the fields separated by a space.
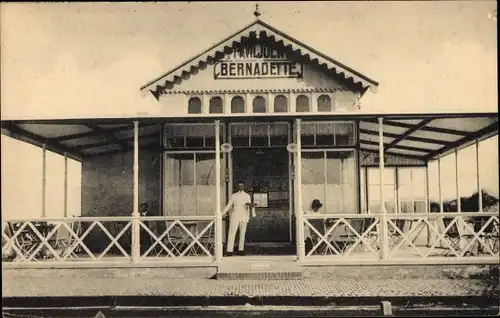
x=177 y=238
x=66 y=240
x=207 y=239
x=24 y=240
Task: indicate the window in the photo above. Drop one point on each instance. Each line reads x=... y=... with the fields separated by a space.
x=280 y=104
x=323 y=134
x=190 y=136
x=194 y=105
x=302 y=104
x=190 y=184
x=259 y=104
x=216 y=105
x=259 y=134
x=324 y=103
x=374 y=190
x=237 y=105
x=330 y=176
x=412 y=190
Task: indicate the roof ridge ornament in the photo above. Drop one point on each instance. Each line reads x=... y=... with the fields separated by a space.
x=257 y=13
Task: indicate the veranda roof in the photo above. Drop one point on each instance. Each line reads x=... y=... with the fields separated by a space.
x=418 y=136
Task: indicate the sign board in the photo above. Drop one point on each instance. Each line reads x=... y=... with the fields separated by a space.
x=260 y=199
x=257 y=61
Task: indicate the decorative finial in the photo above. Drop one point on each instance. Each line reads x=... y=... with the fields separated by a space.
x=256 y=13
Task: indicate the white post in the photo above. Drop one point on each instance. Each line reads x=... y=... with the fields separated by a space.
x=44 y=181
x=218 y=214
x=383 y=212
x=65 y=185
x=459 y=208
x=479 y=190
x=427 y=204
x=136 y=247
x=301 y=250
x=441 y=206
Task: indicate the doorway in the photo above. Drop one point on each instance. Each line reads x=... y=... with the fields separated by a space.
x=266 y=175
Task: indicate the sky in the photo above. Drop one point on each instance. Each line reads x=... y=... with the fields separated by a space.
x=90 y=59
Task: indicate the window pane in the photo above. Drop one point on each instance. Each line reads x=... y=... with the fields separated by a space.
x=205 y=184
x=407 y=207
x=194 y=105
x=307 y=131
x=324 y=134
x=237 y=105
x=313 y=179
x=259 y=104
x=341 y=182
x=280 y=104
x=302 y=103
x=324 y=103
x=259 y=135
x=279 y=134
x=216 y=105
x=344 y=134
x=240 y=134
x=179 y=184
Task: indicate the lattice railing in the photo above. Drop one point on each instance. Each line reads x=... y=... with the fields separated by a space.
x=67 y=239
x=106 y=239
x=177 y=236
x=349 y=235
x=460 y=235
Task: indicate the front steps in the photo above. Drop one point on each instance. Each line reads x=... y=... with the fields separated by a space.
x=258 y=268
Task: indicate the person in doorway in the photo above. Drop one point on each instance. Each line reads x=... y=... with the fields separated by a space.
x=241 y=205
x=308 y=236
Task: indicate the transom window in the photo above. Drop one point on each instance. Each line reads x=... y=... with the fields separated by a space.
x=216 y=105
x=259 y=134
x=323 y=134
x=194 y=105
x=182 y=136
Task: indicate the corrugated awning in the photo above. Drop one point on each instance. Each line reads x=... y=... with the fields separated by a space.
x=422 y=137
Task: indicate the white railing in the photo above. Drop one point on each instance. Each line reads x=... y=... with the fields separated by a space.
x=100 y=240
x=461 y=235
x=429 y=238
x=342 y=235
x=420 y=237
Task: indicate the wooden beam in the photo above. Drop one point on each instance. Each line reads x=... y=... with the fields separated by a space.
x=153 y=147
x=19 y=133
x=373 y=143
x=471 y=137
x=426 y=128
x=105 y=143
x=396 y=154
x=108 y=135
x=407 y=134
x=95 y=133
x=412 y=138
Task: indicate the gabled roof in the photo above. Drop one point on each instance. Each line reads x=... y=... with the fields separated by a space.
x=259 y=29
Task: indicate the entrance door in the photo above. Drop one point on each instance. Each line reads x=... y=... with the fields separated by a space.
x=266 y=176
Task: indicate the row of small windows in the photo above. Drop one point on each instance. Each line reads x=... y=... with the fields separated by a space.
x=259 y=105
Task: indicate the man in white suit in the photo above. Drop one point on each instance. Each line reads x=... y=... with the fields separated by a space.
x=241 y=204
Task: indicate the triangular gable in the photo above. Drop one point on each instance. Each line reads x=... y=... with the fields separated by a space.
x=256 y=30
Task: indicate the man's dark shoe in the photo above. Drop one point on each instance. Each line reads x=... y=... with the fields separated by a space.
x=242 y=253
x=229 y=254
